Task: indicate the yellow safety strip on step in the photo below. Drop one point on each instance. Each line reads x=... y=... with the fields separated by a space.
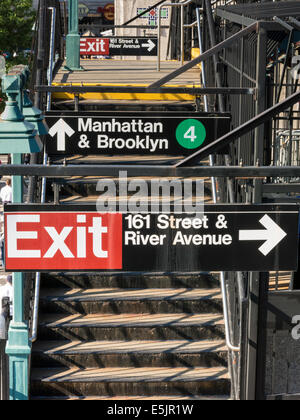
x=125 y=96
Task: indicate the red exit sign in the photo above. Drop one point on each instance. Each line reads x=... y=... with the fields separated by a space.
x=50 y=241
x=94 y=46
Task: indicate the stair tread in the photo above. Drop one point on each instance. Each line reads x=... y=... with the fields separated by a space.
x=142 y=347
x=119 y=374
x=130 y=320
x=114 y=294
x=124 y=199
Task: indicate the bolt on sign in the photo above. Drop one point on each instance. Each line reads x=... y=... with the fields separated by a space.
x=98 y=133
x=224 y=238
x=119 y=46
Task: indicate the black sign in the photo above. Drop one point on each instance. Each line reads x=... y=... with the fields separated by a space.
x=80 y=238
x=119 y=46
x=100 y=133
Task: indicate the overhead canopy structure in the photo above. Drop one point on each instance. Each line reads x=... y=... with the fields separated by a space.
x=265 y=11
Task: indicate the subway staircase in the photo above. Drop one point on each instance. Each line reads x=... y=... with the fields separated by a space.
x=122 y=336
x=127 y=336
x=130 y=337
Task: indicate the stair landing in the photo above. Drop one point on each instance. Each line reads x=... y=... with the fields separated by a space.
x=118 y=73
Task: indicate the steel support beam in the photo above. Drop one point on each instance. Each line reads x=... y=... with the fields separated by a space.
x=240 y=131
x=59 y=171
x=233 y=17
x=281 y=188
x=252 y=336
x=261 y=104
x=138 y=89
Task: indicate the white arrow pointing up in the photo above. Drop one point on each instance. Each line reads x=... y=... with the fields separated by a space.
x=61 y=128
x=273 y=235
x=150 y=45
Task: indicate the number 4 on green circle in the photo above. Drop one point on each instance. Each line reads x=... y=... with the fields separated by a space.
x=191 y=134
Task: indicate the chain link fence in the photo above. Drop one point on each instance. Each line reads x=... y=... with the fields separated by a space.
x=286 y=151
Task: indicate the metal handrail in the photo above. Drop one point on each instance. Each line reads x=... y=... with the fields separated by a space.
x=230 y=346
x=38 y=274
x=190 y=25
x=43 y=192
x=51 y=55
x=36 y=307
x=181 y=5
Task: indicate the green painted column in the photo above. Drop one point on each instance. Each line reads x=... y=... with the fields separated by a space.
x=73 y=39
x=19 y=346
x=17 y=136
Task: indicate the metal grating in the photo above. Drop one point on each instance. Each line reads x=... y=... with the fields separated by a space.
x=266 y=11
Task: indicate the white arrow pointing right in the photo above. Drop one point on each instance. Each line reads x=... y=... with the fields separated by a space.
x=273 y=235
x=61 y=128
x=150 y=45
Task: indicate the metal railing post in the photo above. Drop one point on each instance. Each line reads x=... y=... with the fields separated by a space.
x=181 y=5
x=182 y=35
x=203 y=69
x=73 y=39
x=52 y=50
x=158 y=40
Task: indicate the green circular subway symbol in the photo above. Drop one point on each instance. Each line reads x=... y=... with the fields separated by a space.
x=191 y=134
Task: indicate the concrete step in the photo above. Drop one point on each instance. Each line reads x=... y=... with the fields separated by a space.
x=117 y=203
x=92 y=354
x=118 y=160
x=115 y=300
x=129 y=381
x=89 y=186
x=132 y=327
x=129 y=280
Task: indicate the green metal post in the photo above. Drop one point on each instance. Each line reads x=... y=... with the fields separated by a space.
x=17 y=136
x=73 y=39
x=19 y=347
